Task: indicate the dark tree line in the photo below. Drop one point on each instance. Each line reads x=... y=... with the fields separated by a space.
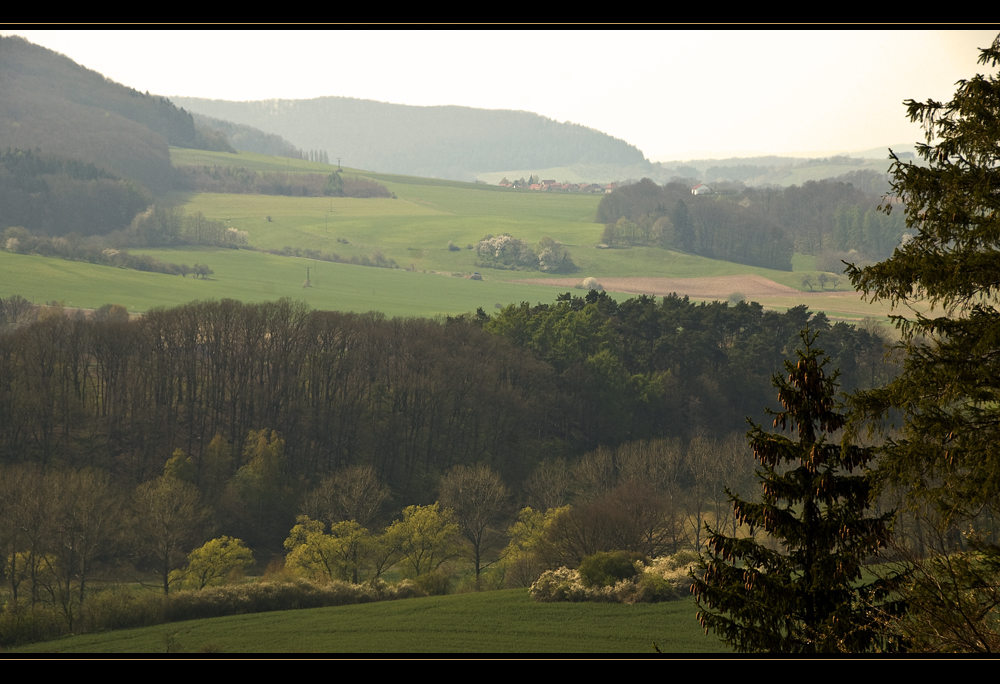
x=644 y=213
x=410 y=397
x=756 y=226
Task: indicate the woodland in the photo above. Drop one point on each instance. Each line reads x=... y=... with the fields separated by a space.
x=758 y=226
x=609 y=426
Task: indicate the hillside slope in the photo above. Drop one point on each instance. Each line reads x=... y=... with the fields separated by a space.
x=53 y=104
x=443 y=142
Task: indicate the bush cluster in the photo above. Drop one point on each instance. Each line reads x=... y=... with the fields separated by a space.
x=603 y=578
x=505 y=252
x=606 y=569
x=20 y=241
x=377 y=259
x=510 y=253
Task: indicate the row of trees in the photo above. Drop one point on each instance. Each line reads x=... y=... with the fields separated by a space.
x=649 y=498
x=61 y=530
x=65 y=532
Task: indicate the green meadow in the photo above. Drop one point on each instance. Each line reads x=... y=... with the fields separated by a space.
x=252 y=277
x=414 y=230
x=505 y=621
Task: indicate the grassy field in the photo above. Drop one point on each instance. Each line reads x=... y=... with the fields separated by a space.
x=414 y=230
x=494 y=622
x=251 y=276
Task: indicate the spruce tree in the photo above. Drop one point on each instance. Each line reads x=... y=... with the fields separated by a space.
x=807 y=598
x=946 y=457
x=949 y=390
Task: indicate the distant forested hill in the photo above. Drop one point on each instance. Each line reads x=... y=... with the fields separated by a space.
x=56 y=107
x=80 y=153
x=249 y=139
x=443 y=142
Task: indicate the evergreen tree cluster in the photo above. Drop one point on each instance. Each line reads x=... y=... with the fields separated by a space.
x=808 y=597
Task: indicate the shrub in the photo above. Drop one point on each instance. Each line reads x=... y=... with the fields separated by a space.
x=124 y=607
x=675 y=569
x=452 y=247
x=436 y=583
x=262 y=597
x=20 y=623
x=121 y=607
x=559 y=585
x=665 y=579
x=654 y=589
x=606 y=569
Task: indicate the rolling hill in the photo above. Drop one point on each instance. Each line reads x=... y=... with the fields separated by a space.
x=442 y=142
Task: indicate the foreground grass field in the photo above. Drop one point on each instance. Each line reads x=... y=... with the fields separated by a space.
x=494 y=622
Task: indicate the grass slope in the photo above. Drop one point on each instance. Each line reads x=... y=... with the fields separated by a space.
x=494 y=622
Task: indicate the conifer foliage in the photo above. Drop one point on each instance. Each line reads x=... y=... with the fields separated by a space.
x=946 y=458
x=807 y=598
x=950 y=387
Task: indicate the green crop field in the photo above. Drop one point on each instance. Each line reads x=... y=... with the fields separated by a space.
x=493 y=622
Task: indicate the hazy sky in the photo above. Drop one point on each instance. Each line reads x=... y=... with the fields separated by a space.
x=675 y=94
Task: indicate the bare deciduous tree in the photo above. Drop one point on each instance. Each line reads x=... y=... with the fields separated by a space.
x=354 y=493
x=169 y=520
x=481 y=503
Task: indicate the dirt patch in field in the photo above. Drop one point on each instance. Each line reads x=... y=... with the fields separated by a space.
x=719 y=287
